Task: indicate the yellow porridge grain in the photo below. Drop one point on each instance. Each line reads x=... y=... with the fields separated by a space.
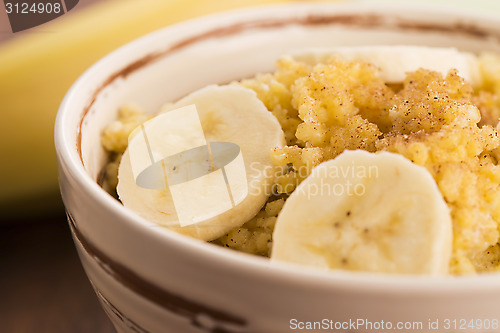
x=440 y=123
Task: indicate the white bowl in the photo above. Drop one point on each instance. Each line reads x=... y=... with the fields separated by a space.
x=150 y=279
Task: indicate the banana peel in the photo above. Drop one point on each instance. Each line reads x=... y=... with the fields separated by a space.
x=39 y=66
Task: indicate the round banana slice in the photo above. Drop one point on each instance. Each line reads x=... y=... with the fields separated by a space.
x=218 y=173
x=394 y=61
x=366 y=212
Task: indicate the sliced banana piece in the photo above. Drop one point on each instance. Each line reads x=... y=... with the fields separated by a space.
x=396 y=60
x=366 y=212
x=228 y=114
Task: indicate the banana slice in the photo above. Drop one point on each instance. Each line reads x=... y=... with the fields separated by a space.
x=366 y=212
x=232 y=120
x=396 y=60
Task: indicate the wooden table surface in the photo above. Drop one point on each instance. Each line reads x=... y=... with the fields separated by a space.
x=43 y=287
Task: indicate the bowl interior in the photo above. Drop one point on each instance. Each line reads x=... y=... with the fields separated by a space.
x=168 y=64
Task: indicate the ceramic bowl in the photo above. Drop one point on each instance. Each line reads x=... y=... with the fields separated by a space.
x=150 y=279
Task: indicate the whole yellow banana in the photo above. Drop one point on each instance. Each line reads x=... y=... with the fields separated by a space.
x=38 y=67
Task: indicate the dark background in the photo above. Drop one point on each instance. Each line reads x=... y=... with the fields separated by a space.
x=43 y=287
